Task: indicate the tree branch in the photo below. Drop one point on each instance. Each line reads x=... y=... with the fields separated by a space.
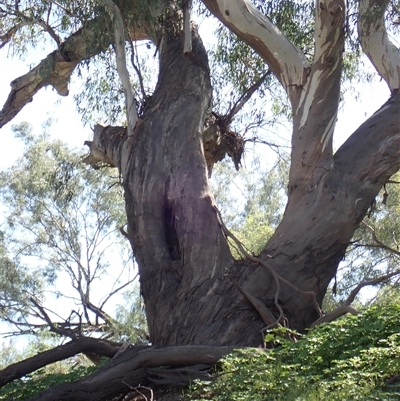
x=380 y=244
x=284 y=59
x=154 y=357
x=345 y=307
x=366 y=283
x=315 y=117
x=187 y=34
x=56 y=69
x=113 y=292
x=79 y=345
x=244 y=98
x=4 y=39
x=384 y=55
x=131 y=370
x=50 y=31
x=53 y=328
x=371 y=155
x=106 y=146
x=119 y=35
x=39 y=21
x=338 y=312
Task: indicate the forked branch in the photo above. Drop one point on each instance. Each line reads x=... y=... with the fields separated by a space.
x=58 y=330
x=56 y=69
x=264 y=312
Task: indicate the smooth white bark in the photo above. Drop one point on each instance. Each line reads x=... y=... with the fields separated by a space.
x=320 y=95
x=384 y=55
x=285 y=60
x=119 y=32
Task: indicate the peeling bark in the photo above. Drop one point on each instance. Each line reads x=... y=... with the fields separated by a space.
x=321 y=217
x=119 y=36
x=172 y=218
x=315 y=117
x=194 y=292
x=182 y=253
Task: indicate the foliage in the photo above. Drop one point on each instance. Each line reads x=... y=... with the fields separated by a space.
x=46 y=198
x=130 y=320
x=9 y=353
x=253 y=220
x=101 y=95
x=353 y=358
x=60 y=219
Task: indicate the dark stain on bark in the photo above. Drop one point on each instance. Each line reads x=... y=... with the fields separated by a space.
x=171 y=236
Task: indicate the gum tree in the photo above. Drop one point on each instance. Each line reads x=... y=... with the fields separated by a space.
x=195 y=293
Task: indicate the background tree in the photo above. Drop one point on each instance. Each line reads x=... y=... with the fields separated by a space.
x=374 y=251
x=251 y=200
x=194 y=291
x=62 y=245
x=62 y=218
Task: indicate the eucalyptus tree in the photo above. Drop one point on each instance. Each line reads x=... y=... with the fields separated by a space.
x=195 y=293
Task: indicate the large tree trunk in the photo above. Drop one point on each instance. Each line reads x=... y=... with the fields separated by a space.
x=194 y=292
x=186 y=270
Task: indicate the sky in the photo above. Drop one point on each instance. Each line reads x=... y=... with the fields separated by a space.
x=357 y=106
x=47 y=104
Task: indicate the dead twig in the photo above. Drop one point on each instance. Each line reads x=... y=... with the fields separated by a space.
x=137 y=390
x=244 y=98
